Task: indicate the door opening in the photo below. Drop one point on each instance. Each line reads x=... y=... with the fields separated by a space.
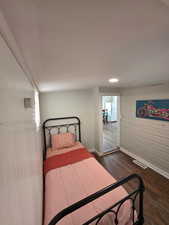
x=111 y=123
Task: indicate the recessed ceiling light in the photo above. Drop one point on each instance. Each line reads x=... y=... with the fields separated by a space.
x=113 y=80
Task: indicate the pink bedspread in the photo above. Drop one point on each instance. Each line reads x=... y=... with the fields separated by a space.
x=69 y=184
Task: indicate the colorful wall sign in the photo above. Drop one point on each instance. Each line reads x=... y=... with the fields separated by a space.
x=153 y=109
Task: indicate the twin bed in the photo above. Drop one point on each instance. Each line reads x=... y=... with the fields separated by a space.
x=77 y=189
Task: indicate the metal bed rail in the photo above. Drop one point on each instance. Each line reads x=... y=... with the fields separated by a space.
x=133 y=196
x=49 y=128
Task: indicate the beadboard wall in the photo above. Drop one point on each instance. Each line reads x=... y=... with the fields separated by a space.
x=147 y=139
x=72 y=103
x=20 y=149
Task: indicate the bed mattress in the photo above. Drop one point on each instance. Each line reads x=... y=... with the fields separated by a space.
x=68 y=184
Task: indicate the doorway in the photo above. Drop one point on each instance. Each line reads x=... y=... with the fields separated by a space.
x=111 y=123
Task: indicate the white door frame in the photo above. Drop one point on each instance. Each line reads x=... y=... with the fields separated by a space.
x=100 y=120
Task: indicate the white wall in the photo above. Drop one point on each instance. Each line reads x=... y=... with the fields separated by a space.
x=83 y=103
x=148 y=139
x=97 y=118
x=20 y=151
x=72 y=103
x=109 y=91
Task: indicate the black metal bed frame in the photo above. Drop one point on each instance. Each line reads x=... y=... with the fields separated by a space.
x=134 y=196
x=49 y=128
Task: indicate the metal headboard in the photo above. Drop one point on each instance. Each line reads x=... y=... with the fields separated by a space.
x=47 y=129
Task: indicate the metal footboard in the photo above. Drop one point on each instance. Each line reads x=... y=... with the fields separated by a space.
x=136 y=194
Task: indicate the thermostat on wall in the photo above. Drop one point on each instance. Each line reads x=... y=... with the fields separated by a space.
x=27 y=103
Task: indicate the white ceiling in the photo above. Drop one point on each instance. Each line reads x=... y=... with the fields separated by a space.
x=80 y=44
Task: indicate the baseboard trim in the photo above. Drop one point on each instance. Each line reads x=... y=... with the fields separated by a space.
x=148 y=164
x=106 y=153
x=98 y=153
x=92 y=150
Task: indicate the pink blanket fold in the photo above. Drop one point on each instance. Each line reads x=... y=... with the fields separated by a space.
x=66 y=159
x=74 y=175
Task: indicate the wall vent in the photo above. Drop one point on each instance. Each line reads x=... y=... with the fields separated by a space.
x=140 y=164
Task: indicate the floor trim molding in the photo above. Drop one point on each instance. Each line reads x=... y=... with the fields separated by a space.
x=92 y=150
x=100 y=154
x=148 y=164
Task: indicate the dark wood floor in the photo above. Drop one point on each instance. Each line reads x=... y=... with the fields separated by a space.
x=156 y=200
x=110 y=136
